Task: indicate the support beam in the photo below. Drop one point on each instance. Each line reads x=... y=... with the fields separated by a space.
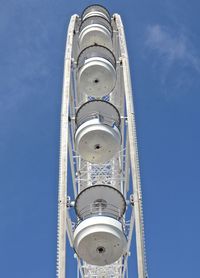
x=133 y=152
x=62 y=190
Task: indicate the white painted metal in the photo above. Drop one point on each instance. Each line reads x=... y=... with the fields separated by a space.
x=107 y=173
x=129 y=239
x=142 y=273
x=62 y=190
x=108 y=271
x=97 y=77
x=97 y=142
x=99 y=240
x=96 y=13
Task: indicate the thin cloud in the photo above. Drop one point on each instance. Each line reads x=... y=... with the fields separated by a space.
x=171 y=48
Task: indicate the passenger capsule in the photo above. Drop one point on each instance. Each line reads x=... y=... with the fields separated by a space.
x=96 y=71
x=100 y=240
x=95 y=30
x=98 y=137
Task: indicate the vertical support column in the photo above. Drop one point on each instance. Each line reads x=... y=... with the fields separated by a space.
x=62 y=190
x=133 y=153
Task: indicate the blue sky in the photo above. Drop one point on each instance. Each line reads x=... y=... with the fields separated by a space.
x=163 y=43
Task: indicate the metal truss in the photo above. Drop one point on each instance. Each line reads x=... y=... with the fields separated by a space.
x=118 y=171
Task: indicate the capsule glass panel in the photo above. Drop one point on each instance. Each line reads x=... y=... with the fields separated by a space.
x=100 y=199
x=96 y=10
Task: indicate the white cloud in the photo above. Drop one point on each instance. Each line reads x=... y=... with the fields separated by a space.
x=172 y=48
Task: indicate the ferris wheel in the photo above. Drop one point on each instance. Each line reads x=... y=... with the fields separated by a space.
x=98 y=152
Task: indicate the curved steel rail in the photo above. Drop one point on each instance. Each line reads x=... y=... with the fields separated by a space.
x=139 y=225
x=62 y=189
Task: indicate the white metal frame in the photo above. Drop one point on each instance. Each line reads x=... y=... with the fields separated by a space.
x=139 y=226
x=123 y=165
x=62 y=190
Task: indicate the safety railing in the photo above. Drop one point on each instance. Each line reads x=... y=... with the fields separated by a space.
x=100 y=208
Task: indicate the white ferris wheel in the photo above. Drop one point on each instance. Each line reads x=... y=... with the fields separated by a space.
x=98 y=152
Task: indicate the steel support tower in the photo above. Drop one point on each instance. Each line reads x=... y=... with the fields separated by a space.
x=99 y=176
